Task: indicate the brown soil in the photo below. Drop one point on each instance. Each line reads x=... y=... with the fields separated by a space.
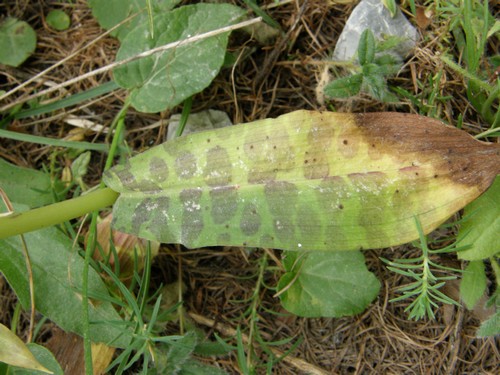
x=269 y=81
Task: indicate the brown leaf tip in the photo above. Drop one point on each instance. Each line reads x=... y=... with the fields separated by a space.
x=453 y=153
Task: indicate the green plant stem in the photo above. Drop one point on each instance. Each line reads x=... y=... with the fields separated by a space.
x=119 y=121
x=496 y=269
x=89 y=251
x=38 y=218
x=253 y=309
x=483 y=85
x=487 y=133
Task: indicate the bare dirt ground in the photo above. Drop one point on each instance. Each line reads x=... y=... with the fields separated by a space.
x=269 y=81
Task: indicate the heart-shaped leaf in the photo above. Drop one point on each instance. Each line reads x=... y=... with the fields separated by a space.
x=17 y=42
x=480 y=227
x=110 y=13
x=326 y=284
x=167 y=78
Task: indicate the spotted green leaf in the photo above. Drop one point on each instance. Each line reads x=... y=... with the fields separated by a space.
x=305 y=180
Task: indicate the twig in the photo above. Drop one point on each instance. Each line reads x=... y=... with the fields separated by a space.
x=141 y=55
x=270 y=60
x=298 y=363
x=50 y=68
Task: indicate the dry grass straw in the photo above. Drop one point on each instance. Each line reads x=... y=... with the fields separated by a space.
x=380 y=340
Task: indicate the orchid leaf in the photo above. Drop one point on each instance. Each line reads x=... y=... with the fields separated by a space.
x=306 y=180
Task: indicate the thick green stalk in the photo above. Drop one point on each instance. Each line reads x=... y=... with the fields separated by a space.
x=92 y=241
x=38 y=218
x=89 y=251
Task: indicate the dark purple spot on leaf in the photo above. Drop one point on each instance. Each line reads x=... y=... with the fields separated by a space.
x=256 y=176
x=320 y=137
x=224 y=203
x=282 y=200
x=185 y=165
x=159 y=219
x=125 y=176
x=192 y=220
x=131 y=182
x=158 y=170
x=143 y=213
x=281 y=197
x=373 y=216
x=218 y=171
x=314 y=171
x=330 y=191
x=250 y=220
x=309 y=223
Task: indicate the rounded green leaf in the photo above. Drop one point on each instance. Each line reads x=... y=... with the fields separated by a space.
x=327 y=284
x=58 y=20
x=167 y=78
x=344 y=87
x=481 y=225
x=473 y=283
x=17 y=42
x=110 y=13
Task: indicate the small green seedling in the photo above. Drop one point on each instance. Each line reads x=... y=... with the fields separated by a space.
x=370 y=77
x=58 y=20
